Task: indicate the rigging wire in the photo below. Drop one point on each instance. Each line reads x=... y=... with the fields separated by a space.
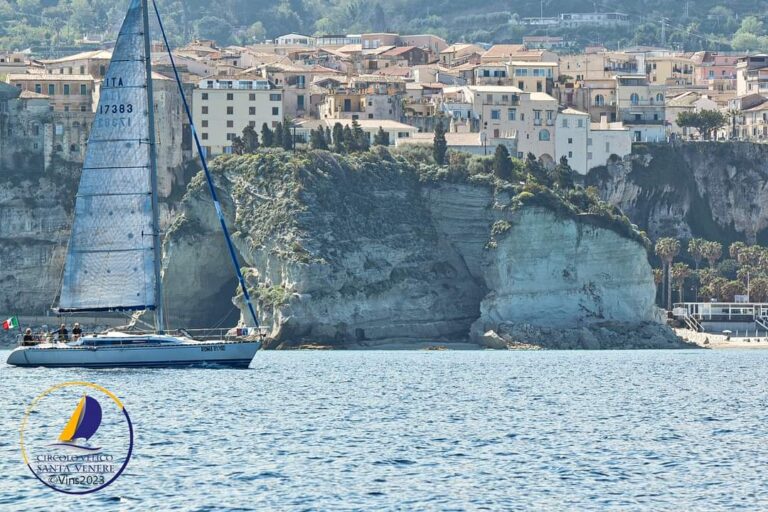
x=207 y=172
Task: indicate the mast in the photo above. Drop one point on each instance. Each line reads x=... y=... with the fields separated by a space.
x=159 y=308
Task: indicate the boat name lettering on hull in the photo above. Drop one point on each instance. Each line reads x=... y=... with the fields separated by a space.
x=213 y=348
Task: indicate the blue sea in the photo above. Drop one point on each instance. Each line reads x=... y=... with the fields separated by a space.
x=463 y=430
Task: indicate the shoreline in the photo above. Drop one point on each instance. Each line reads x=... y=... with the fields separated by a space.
x=720 y=342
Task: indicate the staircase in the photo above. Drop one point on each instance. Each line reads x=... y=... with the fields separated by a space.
x=693 y=324
x=762 y=321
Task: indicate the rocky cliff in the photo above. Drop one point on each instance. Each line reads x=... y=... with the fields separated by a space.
x=374 y=249
x=714 y=190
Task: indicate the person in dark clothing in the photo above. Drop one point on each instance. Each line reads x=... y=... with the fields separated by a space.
x=28 y=338
x=77 y=332
x=63 y=333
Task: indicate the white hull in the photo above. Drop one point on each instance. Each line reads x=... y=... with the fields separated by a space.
x=137 y=351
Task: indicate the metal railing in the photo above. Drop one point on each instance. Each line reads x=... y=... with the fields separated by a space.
x=233 y=334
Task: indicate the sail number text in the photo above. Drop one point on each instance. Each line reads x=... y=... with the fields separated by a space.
x=121 y=108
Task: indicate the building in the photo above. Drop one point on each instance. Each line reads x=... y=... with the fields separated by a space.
x=533 y=76
x=600 y=19
x=466 y=142
x=689 y=101
x=587 y=145
x=395 y=131
x=501 y=112
x=223 y=106
x=545 y=42
x=597 y=66
x=713 y=66
x=458 y=54
x=94 y=63
x=752 y=75
x=295 y=40
x=66 y=92
x=670 y=70
x=502 y=53
x=294 y=81
x=640 y=106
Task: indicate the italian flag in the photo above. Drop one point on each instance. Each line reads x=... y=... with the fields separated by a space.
x=11 y=323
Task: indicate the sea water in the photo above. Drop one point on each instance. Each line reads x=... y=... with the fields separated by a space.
x=427 y=430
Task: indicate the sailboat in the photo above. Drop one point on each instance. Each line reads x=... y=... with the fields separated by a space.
x=113 y=260
x=82 y=425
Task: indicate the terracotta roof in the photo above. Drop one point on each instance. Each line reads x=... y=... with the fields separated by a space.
x=30 y=95
x=399 y=50
x=47 y=77
x=502 y=51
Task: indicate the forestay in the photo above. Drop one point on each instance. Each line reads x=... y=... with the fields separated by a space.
x=110 y=261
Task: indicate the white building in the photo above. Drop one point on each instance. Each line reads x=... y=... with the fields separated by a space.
x=223 y=106
x=587 y=145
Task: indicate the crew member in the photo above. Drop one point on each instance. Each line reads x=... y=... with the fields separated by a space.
x=77 y=332
x=28 y=338
x=63 y=333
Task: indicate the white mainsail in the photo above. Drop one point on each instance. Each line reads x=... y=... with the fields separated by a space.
x=111 y=256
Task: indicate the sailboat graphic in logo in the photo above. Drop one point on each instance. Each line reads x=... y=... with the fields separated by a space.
x=83 y=424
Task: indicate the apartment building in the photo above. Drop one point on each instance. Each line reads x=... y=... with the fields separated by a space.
x=507 y=112
x=640 y=106
x=752 y=75
x=597 y=66
x=587 y=145
x=67 y=93
x=223 y=106
x=670 y=70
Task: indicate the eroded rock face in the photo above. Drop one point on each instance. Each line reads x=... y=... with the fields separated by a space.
x=352 y=252
x=717 y=191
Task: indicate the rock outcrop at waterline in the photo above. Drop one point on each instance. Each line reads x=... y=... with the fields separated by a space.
x=373 y=249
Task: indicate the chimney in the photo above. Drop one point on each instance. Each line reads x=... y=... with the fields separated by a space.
x=604 y=121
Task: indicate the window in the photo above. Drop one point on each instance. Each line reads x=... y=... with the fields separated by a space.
x=565 y=123
x=544 y=135
x=82 y=70
x=252 y=96
x=537 y=114
x=504 y=98
x=570 y=154
x=83 y=108
x=251 y=111
x=205 y=110
x=102 y=70
x=83 y=90
x=550 y=115
x=275 y=97
x=607 y=147
x=660 y=98
x=599 y=100
x=51 y=89
x=66 y=89
x=230 y=111
x=275 y=111
x=580 y=123
x=66 y=108
x=511 y=114
x=205 y=136
x=589 y=141
x=39 y=88
x=634 y=99
x=495 y=114
x=205 y=123
x=230 y=96
x=570 y=140
x=230 y=124
x=231 y=136
x=205 y=96
x=489 y=98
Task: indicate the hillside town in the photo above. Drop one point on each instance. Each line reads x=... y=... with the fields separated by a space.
x=536 y=97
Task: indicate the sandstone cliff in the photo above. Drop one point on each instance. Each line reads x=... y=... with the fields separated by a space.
x=714 y=190
x=371 y=249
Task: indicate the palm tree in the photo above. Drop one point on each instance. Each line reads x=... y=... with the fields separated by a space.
x=712 y=252
x=680 y=272
x=666 y=249
x=696 y=250
x=658 y=278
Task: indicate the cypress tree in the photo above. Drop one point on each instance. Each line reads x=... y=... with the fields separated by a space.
x=328 y=137
x=502 y=165
x=349 y=140
x=267 y=137
x=381 y=138
x=287 y=135
x=440 y=145
x=251 y=139
x=277 y=141
x=362 y=140
x=338 y=138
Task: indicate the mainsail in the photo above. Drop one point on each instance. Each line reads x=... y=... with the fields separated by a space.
x=110 y=262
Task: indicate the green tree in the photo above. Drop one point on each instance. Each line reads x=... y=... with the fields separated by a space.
x=267 y=136
x=696 y=250
x=705 y=121
x=362 y=141
x=251 y=139
x=440 y=145
x=338 y=138
x=712 y=252
x=562 y=176
x=287 y=135
x=381 y=138
x=317 y=139
x=667 y=249
x=502 y=163
x=238 y=146
x=680 y=272
x=277 y=140
x=350 y=144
